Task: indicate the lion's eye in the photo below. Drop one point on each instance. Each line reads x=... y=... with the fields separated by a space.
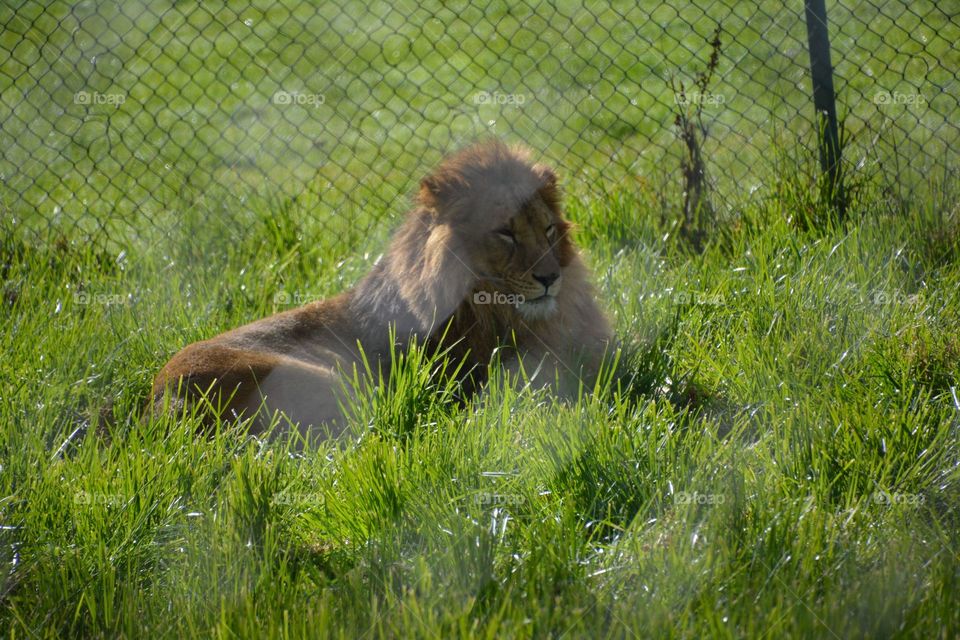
x=506 y=234
x=551 y=231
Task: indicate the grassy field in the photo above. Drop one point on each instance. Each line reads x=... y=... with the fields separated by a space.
x=780 y=458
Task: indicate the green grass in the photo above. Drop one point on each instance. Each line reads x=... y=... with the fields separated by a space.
x=777 y=456
x=784 y=461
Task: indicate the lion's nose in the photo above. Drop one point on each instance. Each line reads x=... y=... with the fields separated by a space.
x=547 y=280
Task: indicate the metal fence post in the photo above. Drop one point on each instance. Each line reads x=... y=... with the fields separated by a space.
x=824 y=101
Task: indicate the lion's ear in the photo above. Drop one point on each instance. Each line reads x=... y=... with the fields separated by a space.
x=430 y=192
x=548 y=190
x=546 y=174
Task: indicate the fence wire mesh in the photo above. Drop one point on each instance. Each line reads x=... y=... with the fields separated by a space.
x=121 y=117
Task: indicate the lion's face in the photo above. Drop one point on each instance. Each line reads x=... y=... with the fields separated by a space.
x=522 y=256
x=502 y=220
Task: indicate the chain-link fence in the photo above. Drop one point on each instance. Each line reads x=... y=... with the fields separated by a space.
x=115 y=116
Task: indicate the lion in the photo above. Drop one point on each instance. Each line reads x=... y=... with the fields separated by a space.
x=483 y=263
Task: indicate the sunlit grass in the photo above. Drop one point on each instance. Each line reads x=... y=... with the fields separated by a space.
x=780 y=455
x=775 y=453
